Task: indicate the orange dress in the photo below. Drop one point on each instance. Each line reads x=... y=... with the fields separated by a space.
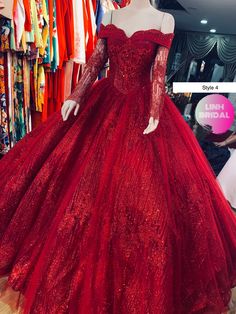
x=65 y=28
x=89 y=27
x=28 y=26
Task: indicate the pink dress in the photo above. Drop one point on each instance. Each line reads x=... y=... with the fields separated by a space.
x=227 y=180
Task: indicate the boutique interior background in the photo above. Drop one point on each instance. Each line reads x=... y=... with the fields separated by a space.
x=204 y=48
x=188 y=14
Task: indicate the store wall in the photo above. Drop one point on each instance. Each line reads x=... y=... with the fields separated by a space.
x=232 y=98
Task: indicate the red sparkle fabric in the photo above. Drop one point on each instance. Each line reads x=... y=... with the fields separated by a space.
x=98 y=218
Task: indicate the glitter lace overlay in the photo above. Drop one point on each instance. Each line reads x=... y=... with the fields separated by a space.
x=158 y=82
x=91 y=71
x=98 y=218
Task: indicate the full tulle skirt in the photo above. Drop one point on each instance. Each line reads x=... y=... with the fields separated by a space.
x=98 y=218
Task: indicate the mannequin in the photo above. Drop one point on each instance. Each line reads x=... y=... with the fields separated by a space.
x=129 y=228
x=139 y=15
x=6 y=8
x=226 y=177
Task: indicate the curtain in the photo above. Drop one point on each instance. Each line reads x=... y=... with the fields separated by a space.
x=226 y=49
x=229 y=72
x=200 y=46
x=197 y=46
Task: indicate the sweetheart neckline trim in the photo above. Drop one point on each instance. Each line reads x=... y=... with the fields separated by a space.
x=137 y=32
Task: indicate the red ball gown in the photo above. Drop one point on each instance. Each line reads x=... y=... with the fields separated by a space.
x=98 y=218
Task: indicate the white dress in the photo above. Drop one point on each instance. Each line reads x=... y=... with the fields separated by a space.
x=227 y=180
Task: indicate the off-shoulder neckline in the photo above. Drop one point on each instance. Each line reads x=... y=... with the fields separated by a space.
x=136 y=32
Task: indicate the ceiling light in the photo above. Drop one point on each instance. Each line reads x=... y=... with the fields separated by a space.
x=213 y=30
x=204 y=21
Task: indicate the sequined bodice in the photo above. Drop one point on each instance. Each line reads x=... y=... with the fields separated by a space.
x=131 y=58
x=131 y=61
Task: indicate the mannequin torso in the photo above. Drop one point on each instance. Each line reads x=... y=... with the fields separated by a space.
x=140 y=15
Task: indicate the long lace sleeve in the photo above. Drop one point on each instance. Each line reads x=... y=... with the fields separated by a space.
x=158 y=82
x=94 y=65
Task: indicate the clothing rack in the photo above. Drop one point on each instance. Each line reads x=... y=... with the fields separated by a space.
x=43 y=48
